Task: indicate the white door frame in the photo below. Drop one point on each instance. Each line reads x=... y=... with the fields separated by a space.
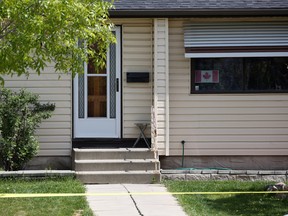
x=99 y=127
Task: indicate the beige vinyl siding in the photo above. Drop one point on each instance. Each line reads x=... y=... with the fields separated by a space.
x=137 y=51
x=161 y=84
x=221 y=124
x=54 y=133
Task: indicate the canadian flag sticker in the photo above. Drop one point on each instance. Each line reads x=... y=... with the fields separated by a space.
x=206 y=76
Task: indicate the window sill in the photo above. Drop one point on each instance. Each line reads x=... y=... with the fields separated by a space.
x=238 y=92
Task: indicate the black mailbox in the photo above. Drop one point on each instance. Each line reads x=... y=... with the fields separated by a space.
x=142 y=77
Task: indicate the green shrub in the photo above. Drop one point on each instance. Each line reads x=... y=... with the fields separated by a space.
x=20 y=115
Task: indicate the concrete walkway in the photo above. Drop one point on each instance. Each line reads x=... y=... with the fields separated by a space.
x=132 y=205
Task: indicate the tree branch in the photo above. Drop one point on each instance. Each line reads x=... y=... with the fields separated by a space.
x=4 y=31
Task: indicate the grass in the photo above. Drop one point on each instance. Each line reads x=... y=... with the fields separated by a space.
x=74 y=206
x=227 y=205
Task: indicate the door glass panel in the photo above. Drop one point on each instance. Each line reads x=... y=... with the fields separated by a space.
x=81 y=96
x=91 y=65
x=92 y=70
x=113 y=81
x=97 y=96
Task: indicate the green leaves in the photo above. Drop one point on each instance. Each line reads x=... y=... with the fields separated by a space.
x=20 y=115
x=35 y=32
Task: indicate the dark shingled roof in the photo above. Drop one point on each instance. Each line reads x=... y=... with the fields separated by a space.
x=197 y=4
x=150 y=8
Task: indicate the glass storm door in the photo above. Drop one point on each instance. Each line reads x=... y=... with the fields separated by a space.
x=97 y=102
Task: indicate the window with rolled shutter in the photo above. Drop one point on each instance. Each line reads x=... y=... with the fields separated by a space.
x=241 y=39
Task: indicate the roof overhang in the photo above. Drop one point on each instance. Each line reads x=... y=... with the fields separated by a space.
x=157 y=13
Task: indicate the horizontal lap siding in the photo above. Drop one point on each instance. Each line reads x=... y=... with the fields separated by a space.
x=54 y=134
x=227 y=124
x=136 y=57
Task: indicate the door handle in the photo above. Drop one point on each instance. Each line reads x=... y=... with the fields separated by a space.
x=117 y=85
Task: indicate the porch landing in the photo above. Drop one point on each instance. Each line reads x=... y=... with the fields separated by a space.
x=118 y=165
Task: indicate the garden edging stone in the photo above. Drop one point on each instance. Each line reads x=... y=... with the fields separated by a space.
x=214 y=174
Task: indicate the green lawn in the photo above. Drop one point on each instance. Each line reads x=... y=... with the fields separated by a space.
x=55 y=206
x=227 y=205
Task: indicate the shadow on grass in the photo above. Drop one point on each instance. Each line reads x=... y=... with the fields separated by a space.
x=252 y=204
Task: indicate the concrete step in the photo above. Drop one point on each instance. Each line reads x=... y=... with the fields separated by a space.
x=119 y=177
x=114 y=166
x=121 y=153
x=117 y=164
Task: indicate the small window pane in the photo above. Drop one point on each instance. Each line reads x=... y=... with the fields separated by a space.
x=268 y=74
x=229 y=71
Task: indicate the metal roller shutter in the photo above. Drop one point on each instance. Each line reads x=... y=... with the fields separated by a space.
x=245 y=39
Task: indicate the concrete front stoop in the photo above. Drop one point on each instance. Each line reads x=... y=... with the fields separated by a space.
x=115 y=166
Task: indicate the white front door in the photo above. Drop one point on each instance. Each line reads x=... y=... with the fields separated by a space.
x=97 y=97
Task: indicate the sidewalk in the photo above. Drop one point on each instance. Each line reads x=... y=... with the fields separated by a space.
x=132 y=205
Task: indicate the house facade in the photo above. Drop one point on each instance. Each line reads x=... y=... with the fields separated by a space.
x=210 y=77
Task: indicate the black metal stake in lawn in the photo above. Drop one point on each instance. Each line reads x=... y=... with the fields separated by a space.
x=183 y=142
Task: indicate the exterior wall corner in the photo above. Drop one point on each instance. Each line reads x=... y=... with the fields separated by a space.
x=161 y=82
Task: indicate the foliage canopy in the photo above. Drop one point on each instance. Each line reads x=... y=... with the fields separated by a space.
x=36 y=32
